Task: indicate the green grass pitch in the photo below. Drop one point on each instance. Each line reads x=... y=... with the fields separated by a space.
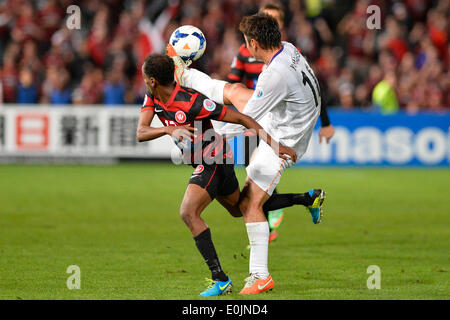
x=120 y=225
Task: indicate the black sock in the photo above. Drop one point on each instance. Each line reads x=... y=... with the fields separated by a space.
x=206 y=247
x=284 y=200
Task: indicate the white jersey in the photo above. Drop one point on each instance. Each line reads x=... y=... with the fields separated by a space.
x=286 y=101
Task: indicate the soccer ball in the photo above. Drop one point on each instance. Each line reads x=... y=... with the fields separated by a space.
x=189 y=42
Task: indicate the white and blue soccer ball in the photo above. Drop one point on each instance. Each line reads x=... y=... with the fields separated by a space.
x=189 y=42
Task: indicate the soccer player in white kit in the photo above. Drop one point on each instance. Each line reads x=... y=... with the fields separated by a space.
x=286 y=102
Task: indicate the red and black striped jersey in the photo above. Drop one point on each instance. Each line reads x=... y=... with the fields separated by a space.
x=189 y=107
x=245 y=68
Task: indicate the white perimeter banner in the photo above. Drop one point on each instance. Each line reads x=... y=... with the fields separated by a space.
x=84 y=131
x=99 y=133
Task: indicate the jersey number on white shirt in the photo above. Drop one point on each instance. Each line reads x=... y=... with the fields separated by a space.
x=306 y=81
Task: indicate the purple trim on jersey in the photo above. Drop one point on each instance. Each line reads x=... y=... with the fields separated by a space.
x=279 y=51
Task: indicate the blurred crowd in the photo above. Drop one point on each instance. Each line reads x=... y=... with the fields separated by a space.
x=402 y=65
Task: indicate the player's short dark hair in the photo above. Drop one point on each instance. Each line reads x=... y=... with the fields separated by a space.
x=271 y=6
x=263 y=28
x=160 y=67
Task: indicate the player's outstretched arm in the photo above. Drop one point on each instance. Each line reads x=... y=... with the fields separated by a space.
x=283 y=152
x=145 y=132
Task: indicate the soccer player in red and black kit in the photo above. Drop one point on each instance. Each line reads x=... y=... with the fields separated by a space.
x=245 y=68
x=186 y=115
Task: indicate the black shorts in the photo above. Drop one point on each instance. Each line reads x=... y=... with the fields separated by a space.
x=216 y=179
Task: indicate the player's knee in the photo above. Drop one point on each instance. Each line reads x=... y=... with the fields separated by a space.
x=254 y=205
x=187 y=214
x=230 y=90
x=244 y=204
x=238 y=85
x=248 y=205
x=235 y=87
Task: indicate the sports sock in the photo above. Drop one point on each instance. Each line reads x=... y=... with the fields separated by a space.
x=284 y=200
x=201 y=82
x=258 y=236
x=206 y=247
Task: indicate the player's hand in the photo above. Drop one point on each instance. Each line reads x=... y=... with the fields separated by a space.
x=287 y=153
x=182 y=132
x=327 y=133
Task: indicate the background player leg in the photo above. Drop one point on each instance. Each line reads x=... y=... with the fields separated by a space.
x=284 y=200
x=312 y=200
x=274 y=218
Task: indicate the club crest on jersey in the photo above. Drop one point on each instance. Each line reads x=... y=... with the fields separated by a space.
x=180 y=116
x=259 y=93
x=209 y=105
x=199 y=169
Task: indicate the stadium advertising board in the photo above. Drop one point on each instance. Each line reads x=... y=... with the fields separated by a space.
x=2 y=132
x=364 y=138
x=361 y=138
x=374 y=139
x=76 y=132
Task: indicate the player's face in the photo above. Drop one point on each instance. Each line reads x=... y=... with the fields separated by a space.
x=251 y=46
x=150 y=83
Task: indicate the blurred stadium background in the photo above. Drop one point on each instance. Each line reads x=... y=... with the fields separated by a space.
x=401 y=69
x=74 y=96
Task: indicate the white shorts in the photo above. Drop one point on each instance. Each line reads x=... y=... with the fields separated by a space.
x=266 y=167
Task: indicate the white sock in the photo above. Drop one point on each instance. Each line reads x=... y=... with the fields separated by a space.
x=258 y=235
x=201 y=82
